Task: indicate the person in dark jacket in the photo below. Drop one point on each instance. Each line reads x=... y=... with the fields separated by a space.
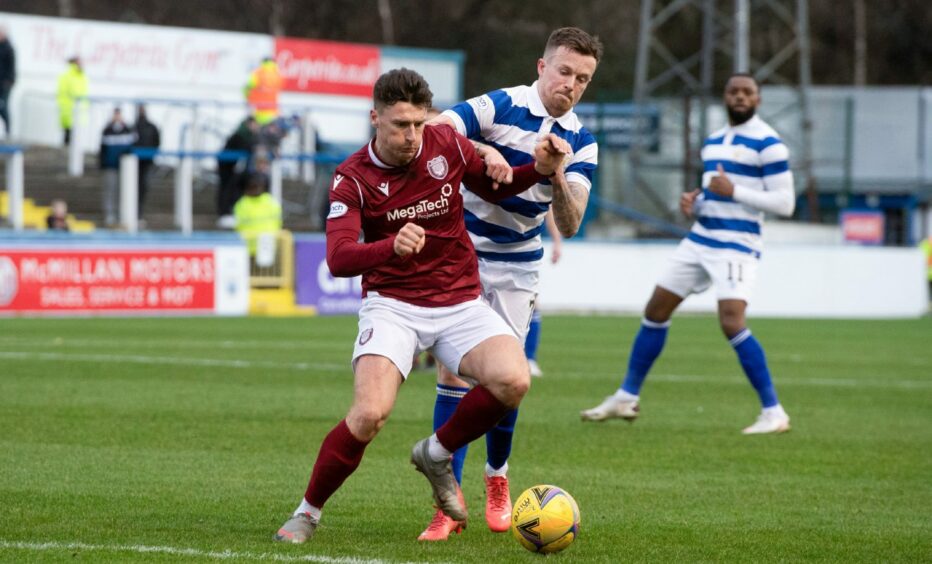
x=147 y=137
x=230 y=169
x=116 y=140
x=7 y=77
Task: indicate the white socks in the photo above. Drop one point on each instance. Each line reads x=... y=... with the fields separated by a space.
x=306 y=507
x=437 y=451
x=492 y=472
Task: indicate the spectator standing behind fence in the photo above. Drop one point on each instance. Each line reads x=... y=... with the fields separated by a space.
x=257 y=212
x=230 y=169
x=72 y=89
x=57 y=219
x=265 y=82
x=147 y=137
x=7 y=78
x=116 y=140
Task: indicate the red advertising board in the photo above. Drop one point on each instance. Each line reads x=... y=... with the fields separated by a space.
x=327 y=67
x=48 y=281
x=863 y=226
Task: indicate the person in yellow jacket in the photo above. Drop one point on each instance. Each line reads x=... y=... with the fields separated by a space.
x=926 y=246
x=257 y=212
x=72 y=89
x=262 y=91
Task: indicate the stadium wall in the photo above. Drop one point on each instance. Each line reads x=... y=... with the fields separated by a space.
x=793 y=281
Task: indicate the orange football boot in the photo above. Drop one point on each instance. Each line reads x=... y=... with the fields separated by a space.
x=497 y=503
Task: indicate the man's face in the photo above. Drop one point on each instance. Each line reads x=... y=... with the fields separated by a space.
x=399 y=131
x=741 y=99
x=563 y=76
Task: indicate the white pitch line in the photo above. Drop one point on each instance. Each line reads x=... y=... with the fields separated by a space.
x=788 y=381
x=827 y=382
x=174 y=551
x=173 y=343
x=175 y=361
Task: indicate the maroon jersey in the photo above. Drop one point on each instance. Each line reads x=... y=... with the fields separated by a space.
x=381 y=199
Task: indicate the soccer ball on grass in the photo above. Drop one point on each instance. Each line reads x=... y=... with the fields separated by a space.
x=545 y=519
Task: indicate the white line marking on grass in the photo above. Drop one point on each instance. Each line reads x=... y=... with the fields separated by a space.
x=174 y=551
x=790 y=381
x=141 y=359
x=786 y=381
x=175 y=343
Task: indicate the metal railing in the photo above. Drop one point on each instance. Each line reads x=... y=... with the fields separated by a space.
x=13 y=155
x=184 y=180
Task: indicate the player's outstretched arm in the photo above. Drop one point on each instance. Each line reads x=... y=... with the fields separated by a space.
x=476 y=180
x=496 y=167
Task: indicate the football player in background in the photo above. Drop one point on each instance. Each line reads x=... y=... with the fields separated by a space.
x=746 y=173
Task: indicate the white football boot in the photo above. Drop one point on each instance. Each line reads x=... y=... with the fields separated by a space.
x=769 y=421
x=613 y=408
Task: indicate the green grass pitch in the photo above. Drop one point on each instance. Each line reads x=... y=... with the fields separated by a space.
x=180 y=439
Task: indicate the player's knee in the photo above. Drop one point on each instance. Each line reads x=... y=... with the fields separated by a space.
x=365 y=422
x=515 y=385
x=657 y=311
x=731 y=325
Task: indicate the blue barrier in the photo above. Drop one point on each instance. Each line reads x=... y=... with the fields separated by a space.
x=640 y=217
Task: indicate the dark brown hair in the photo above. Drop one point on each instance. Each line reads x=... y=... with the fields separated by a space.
x=574 y=39
x=401 y=85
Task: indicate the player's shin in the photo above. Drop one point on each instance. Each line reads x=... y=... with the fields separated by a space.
x=648 y=344
x=448 y=399
x=339 y=456
x=754 y=362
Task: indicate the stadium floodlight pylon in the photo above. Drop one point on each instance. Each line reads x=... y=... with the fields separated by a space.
x=726 y=28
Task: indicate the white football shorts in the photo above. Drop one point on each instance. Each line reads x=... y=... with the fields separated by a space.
x=694 y=268
x=399 y=330
x=511 y=289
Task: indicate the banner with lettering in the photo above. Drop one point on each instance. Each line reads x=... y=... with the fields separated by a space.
x=123 y=281
x=315 y=286
x=327 y=67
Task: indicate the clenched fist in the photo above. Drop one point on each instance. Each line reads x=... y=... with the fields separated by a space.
x=409 y=240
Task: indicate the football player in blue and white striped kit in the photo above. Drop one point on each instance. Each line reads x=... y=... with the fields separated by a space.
x=505 y=124
x=746 y=173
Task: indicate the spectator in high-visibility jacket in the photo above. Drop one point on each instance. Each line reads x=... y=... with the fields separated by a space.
x=257 y=212
x=926 y=246
x=262 y=89
x=72 y=89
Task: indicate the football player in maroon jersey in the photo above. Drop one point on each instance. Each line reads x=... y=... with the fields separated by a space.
x=420 y=289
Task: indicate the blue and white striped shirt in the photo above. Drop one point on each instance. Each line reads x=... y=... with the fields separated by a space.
x=757 y=163
x=511 y=120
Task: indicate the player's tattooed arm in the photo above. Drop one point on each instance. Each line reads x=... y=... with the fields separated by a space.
x=569 y=204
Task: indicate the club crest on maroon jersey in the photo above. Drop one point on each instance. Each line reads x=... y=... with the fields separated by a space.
x=438 y=168
x=365 y=336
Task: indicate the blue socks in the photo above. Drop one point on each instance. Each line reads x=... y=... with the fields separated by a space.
x=751 y=356
x=647 y=346
x=533 y=336
x=448 y=397
x=497 y=441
